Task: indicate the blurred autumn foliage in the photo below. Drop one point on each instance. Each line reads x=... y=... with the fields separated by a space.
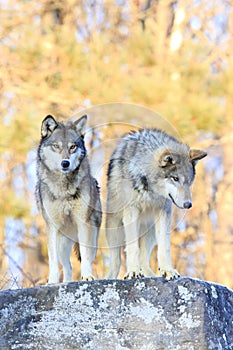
x=68 y=57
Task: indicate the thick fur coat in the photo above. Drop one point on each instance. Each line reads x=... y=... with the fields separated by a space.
x=148 y=172
x=68 y=197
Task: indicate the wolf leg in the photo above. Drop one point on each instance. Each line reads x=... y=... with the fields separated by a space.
x=64 y=250
x=163 y=226
x=115 y=239
x=146 y=243
x=115 y=262
x=86 y=246
x=54 y=272
x=93 y=243
x=131 y=225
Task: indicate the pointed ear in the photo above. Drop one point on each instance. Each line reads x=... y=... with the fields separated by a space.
x=196 y=154
x=49 y=124
x=80 y=124
x=166 y=159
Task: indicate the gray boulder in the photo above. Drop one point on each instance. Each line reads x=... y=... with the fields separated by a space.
x=145 y=314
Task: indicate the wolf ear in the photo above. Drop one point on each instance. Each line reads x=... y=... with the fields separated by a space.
x=49 y=124
x=80 y=124
x=196 y=154
x=166 y=159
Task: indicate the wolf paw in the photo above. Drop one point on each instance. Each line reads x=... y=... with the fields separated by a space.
x=169 y=274
x=133 y=274
x=88 y=278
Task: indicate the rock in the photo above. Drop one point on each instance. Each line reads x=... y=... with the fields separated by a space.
x=145 y=314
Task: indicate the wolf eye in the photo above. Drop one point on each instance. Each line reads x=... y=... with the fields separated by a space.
x=175 y=178
x=55 y=146
x=73 y=148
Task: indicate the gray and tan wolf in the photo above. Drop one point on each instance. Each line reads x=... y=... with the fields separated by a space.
x=68 y=197
x=148 y=172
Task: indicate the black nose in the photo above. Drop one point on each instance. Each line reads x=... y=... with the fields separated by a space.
x=187 y=205
x=65 y=164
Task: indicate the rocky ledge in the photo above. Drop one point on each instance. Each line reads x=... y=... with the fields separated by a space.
x=145 y=314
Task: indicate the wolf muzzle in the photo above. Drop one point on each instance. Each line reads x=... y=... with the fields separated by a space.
x=186 y=205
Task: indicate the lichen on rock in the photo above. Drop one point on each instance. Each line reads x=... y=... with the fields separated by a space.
x=115 y=314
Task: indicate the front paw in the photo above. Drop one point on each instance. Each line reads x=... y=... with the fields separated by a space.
x=88 y=278
x=169 y=274
x=133 y=274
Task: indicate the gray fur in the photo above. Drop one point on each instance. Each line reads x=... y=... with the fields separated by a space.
x=68 y=196
x=148 y=171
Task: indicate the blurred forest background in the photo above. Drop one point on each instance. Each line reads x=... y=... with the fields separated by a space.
x=64 y=57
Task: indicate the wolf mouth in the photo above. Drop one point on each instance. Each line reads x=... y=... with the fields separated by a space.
x=173 y=201
x=70 y=170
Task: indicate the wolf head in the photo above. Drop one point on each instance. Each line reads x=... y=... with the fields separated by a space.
x=62 y=144
x=178 y=172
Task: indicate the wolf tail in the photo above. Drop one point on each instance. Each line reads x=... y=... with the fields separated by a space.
x=77 y=251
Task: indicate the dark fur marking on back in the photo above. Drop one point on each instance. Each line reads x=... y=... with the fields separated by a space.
x=111 y=165
x=140 y=184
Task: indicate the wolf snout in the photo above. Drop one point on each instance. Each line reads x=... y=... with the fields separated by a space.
x=187 y=205
x=65 y=164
